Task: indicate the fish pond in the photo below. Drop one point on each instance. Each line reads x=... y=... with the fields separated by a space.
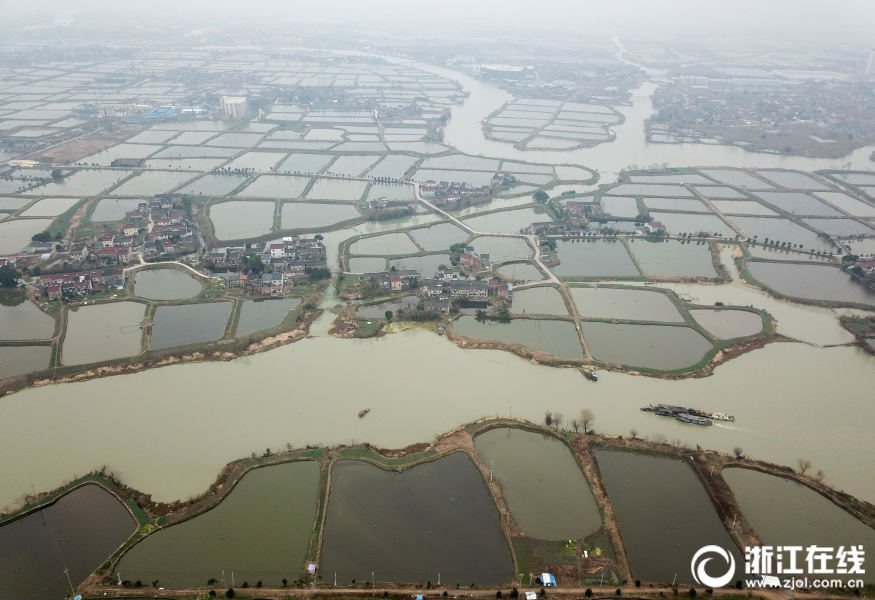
x=426 y=265
x=664 y=514
x=24 y=321
x=506 y=221
x=437 y=517
x=727 y=324
x=786 y=513
x=312 y=215
x=558 y=338
x=113 y=209
x=258 y=315
x=520 y=272
x=552 y=503
x=439 y=237
x=673 y=258
x=370 y=264
x=103 y=332
x=18 y=360
x=501 y=249
x=384 y=245
x=239 y=219
x=165 y=284
x=78 y=532
x=260 y=531
x=185 y=324
x=624 y=304
x=811 y=282
x=659 y=347
x=594 y=258
x=539 y=301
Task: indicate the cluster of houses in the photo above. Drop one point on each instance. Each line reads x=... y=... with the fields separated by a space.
x=292 y=258
x=61 y=285
x=446 y=287
x=447 y=192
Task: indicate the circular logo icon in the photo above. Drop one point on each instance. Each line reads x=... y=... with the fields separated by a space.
x=697 y=566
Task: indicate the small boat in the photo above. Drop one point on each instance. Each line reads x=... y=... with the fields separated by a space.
x=692 y=419
x=364 y=412
x=591 y=374
x=440 y=330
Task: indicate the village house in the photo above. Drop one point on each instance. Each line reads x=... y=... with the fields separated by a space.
x=395 y=281
x=272 y=283
x=475 y=289
x=654 y=227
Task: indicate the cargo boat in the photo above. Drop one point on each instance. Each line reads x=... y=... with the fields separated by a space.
x=667 y=410
x=591 y=374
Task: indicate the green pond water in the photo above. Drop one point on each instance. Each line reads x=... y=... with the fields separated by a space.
x=661 y=347
x=434 y=518
x=539 y=301
x=185 y=324
x=664 y=514
x=672 y=258
x=558 y=338
x=547 y=493
x=78 y=532
x=165 y=284
x=726 y=324
x=260 y=531
x=624 y=304
x=812 y=282
x=786 y=513
x=103 y=332
x=257 y=315
x=594 y=258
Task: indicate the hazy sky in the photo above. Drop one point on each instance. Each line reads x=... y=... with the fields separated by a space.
x=805 y=21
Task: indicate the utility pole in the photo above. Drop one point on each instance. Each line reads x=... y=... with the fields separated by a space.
x=67 y=573
x=232 y=579
x=373 y=585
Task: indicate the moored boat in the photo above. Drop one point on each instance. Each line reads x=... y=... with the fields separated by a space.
x=591 y=374
x=364 y=412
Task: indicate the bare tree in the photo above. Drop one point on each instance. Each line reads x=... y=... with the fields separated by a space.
x=820 y=476
x=548 y=418
x=586 y=419
x=633 y=433
x=739 y=452
x=804 y=465
x=659 y=438
x=558 y=419
x=575 y=424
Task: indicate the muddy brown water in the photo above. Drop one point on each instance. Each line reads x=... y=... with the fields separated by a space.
x=436 y=518
x=78 y=532
x=665 y=516
x=547 y=493
x=260 y=531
